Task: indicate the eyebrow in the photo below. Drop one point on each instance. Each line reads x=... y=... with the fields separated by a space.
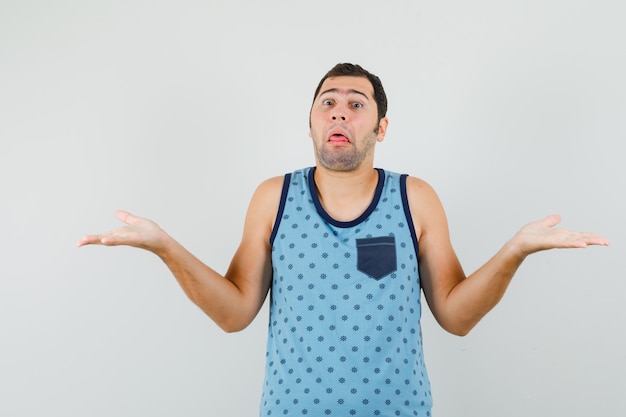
x=344 y=91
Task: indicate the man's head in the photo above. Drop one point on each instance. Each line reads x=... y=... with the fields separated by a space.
x=353 y=70
x=347 y=118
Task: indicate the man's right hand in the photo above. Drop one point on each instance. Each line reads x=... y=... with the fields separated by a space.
x=138 y=232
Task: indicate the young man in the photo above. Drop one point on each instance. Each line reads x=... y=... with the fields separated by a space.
x=347 y=250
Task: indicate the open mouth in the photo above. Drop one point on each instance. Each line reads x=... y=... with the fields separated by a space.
x=338 y=136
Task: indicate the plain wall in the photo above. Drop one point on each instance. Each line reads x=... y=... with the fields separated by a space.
x=176 y=111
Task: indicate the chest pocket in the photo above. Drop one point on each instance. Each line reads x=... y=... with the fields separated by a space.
x=376 y=256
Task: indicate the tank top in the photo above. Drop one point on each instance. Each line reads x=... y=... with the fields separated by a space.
x=344 y=335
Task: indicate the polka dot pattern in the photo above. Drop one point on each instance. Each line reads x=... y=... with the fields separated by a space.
x=344 y=337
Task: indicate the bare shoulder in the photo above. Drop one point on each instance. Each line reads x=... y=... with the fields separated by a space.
x=264 y=203
x=419 y=190
x=269 y=191
x=425 y=206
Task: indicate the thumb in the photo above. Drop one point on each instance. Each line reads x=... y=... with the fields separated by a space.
x=125 y=217
x=552 y=220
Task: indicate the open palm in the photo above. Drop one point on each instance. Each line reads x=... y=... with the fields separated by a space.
x=543 y=235
x=137 y=232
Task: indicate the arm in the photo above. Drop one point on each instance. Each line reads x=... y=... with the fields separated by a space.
x=232 y=300
x=459 y=302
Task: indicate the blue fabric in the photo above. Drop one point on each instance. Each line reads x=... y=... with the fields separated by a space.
x=344 y=335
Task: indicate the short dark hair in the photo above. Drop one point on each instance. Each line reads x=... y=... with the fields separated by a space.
x=353 y=70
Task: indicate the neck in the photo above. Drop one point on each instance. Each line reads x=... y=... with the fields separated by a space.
x=346 y=195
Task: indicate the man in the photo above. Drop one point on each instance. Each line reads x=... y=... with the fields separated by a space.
x=347 y=250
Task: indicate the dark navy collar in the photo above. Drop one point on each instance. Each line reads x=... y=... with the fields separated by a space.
x=358 y=220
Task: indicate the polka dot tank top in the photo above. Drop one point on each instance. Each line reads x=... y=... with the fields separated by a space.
x=344 y=335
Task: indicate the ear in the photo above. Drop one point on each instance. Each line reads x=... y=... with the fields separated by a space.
x=382 y=129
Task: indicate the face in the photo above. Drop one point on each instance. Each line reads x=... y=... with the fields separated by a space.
x=344 y=123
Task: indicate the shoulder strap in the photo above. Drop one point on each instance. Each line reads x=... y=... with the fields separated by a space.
x=281 y=207
x=407 y=212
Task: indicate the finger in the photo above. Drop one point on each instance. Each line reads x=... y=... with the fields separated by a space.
x=82 y=241
x=552 y=220
x=112 y=240
x=595 y=239
x=582 y=239
x=126 y=217
x=116 y=237
x=89 y=240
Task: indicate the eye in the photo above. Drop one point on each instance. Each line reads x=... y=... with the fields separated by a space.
x=327 y=102
x=357 y=105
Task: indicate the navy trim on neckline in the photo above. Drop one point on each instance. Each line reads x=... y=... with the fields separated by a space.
x=358 y=220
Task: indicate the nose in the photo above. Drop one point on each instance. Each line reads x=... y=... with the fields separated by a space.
x=338 y=116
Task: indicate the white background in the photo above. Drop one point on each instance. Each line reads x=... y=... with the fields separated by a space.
x=176 y=111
